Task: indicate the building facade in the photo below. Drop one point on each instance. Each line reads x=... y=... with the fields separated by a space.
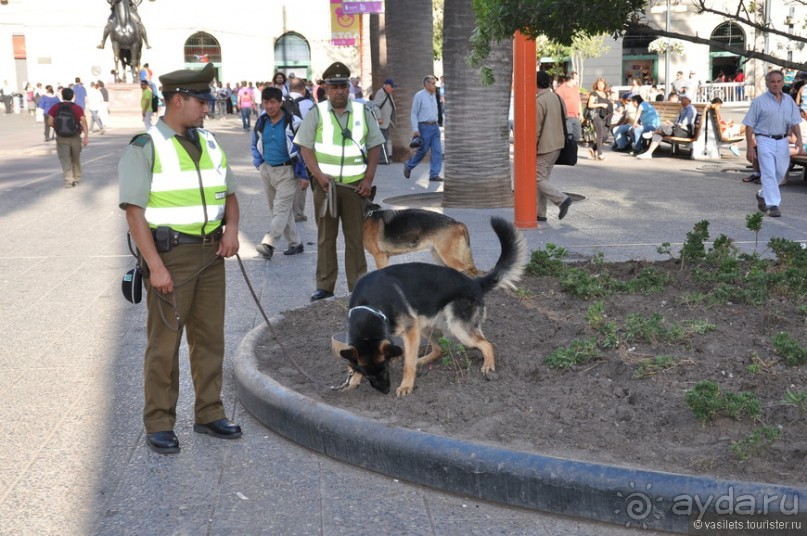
x=632 y=56
x=53 y=41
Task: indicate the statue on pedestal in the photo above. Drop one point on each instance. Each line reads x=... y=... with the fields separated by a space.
x=127 y=35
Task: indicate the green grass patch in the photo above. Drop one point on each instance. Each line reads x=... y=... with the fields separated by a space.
x=790 y=349
x=756 y=444
x=707 y=402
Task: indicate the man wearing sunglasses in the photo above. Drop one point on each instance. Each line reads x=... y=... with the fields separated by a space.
x=340 y=143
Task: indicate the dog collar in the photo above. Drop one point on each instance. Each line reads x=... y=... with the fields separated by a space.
x=371 y=309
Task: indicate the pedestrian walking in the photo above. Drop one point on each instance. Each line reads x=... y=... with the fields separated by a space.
x=770 y=119
x=70 y=124
x=424 y=118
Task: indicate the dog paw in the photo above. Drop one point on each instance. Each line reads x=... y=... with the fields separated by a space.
x=404 y=390
x=489 y=373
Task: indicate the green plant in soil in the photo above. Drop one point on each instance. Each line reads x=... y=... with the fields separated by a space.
x=547 y=261
x=454 y=355
x=790 y=350
x=655 y=365
x=796 y=398
x=755 y=444
x=707 y=402
x=693 y=249
x=579 y=352
x=753 y=222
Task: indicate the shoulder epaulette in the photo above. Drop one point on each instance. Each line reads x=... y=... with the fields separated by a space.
x=140 y=140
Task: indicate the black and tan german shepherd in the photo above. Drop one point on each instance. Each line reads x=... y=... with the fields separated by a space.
x=405 y=299
x=394 y=232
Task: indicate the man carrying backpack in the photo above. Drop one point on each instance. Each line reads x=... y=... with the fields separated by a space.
x=274 y=155
x=69 y=122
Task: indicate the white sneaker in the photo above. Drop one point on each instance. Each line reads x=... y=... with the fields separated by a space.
x=645 y=156
x=734 y=150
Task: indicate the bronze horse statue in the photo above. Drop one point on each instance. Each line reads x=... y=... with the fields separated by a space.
x=124 y=29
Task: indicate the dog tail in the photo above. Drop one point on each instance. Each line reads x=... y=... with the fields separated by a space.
x=511 y=261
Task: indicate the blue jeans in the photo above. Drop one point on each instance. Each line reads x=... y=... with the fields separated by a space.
x=621 y=139
x=246 y=114
x=431 y=141
x=637 y=134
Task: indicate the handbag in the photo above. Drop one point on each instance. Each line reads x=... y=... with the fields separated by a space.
x=568 y=155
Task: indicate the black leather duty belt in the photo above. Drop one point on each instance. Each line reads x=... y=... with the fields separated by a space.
x=777 y=137
x=288 y=163
x=177 y=238
x=428 y=122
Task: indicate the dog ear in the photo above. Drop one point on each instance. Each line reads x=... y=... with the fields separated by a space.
x=390 y=350
x=350 y=354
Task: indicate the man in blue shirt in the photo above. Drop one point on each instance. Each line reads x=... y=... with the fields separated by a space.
x=770 y=119
x=647 y=120
x=424 y=118
x=274 y=154
x=80 y=94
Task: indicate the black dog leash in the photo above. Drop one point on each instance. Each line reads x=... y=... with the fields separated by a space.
x=274 y=334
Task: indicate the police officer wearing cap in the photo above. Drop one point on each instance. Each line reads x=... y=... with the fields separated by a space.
x=340 y=144
x=179 y=196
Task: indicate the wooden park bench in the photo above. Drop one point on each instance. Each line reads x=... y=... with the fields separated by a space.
x=668 y=112
x=796 y=160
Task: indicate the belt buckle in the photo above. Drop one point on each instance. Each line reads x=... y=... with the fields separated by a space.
x=208 y=239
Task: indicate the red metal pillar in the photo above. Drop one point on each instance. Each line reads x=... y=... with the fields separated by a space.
x=525 y=202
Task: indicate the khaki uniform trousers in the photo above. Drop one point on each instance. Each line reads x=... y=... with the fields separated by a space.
x=547 y=190
x=280 y=186
x=350 y=210
x=200 y=306
x=69 y=151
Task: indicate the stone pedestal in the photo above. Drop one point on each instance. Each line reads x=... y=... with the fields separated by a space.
x=124 y=105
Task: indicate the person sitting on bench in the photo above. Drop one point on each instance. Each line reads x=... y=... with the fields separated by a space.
x=683 y=127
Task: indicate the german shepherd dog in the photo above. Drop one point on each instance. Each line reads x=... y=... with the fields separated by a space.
x=406 y=299
x=394 y=232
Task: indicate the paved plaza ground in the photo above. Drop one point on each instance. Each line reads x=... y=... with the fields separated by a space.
x=72 y=448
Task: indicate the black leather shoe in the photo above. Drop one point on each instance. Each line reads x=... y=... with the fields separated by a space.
x=163 y=442
x=294 y=250
x=541 y=218
x=407 y=172
x=761 y=203
x=266 y=251
x=222 y=428
x=564 y=208
x=436 y=179
x=321 y=294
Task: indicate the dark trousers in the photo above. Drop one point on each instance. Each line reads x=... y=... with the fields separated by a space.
x=350 y=211
x=200 y=306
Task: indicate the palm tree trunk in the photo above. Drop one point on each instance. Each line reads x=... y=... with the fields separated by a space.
x=409 y=58
x=477 y=135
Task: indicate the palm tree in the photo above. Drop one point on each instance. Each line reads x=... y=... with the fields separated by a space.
x=477 y=137
x=409 y=58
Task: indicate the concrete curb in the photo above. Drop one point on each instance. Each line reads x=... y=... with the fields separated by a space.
x=612 y=494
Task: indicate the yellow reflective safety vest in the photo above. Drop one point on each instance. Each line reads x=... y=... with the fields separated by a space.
x=187 y=198
x=338 y=156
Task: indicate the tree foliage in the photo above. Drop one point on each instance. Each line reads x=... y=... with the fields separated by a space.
x=562 y=20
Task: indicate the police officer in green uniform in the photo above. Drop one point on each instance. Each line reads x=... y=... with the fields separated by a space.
x=340 y=143
x=179 y=196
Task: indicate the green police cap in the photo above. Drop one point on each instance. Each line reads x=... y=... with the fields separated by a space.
x=194 y=82
x=337 y=73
